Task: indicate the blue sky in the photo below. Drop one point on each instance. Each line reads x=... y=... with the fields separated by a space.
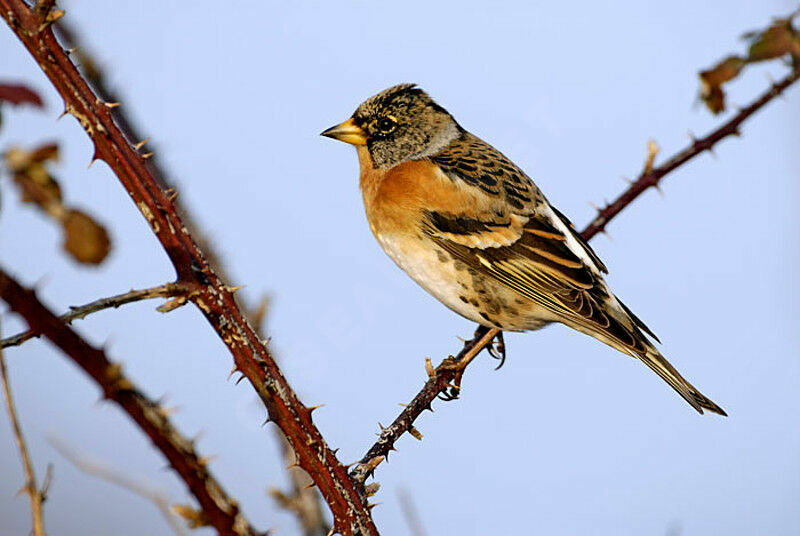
x=569 y=437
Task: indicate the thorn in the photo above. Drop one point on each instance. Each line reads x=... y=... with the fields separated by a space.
x=205 y=460
x=429 y=407
x=233 y=290
x=70 y=51
x=232 y=372
x=381 y=426
x=64 y=113
x=402 y=405
x=237 y=382
x=692 y=137
x=736 y=132
x=293 y=465
x=371 y=489
x=312 y=408
x=147 y=155
x=429 y=368
x=111 y=104
x=374 y=462
x=373 y=505
x=335 y=451
x=416 y=433
x=308 y=486
x=598 y=209
x=627 y=180
x=141 y=144
x=711 y=152
x=92 y=161
x=172 y=194
x=266 y=422
x=658 y=189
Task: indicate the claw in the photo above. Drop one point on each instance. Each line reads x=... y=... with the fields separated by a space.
x=498 y=350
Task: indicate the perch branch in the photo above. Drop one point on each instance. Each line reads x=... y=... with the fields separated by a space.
x=650 y=177
x=34 y=493
x=218 y=509
x=350 y=510
x=166 y=290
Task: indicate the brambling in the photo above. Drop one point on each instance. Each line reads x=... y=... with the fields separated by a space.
x=473 y=230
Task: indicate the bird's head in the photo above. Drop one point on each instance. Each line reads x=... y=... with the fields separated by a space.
x=398 y=124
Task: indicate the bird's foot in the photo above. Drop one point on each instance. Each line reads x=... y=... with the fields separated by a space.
x=496 y=348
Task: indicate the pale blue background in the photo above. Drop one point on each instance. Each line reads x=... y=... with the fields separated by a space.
x=570 y=437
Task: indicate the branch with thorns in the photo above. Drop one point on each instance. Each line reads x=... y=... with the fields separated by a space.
x=217 y=508
x=351 y=512
x=167 y=290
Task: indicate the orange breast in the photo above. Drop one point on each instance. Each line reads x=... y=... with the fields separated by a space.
x=395 y=199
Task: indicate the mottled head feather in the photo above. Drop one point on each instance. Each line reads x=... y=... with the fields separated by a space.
x=403 y=123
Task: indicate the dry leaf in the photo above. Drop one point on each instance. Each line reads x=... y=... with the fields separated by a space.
x=778 y=40
x=86 y=240
x=711 y=82
x=19 y=94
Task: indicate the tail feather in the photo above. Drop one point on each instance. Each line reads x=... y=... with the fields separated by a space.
x=667 y=372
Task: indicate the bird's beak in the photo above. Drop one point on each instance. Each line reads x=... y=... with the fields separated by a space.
x=347 y=132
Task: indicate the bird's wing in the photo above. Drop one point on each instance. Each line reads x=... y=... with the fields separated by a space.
x=540 y=255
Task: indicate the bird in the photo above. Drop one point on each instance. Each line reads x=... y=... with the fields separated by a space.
x=471 y=228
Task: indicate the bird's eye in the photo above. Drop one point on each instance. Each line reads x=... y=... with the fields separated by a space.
x=387 y=124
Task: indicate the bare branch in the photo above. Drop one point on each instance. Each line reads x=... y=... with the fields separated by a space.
x=220 y=510
x=447 y=371
x=651 y=176
x=34 y=493
x=109 y=474
x=82 y=311
x=215 y=299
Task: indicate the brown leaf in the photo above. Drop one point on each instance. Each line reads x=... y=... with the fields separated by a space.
x=86 y=240
x=778 y=40
x=711 y=82
x=30 y=175
x=19 y=94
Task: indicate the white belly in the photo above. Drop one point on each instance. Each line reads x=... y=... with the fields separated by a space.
x=475 y=297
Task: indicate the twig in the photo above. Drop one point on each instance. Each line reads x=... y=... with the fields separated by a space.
x=351 y=512
x=34 y=493
x=649 y=177
x=218 y=509
x=109 y=474
x=166 y=290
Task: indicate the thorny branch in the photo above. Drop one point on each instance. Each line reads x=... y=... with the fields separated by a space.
x=350 y=510
x=218 y=509
x=167 y=290
x=649 y=178
x=35 y=494
x=304 y=501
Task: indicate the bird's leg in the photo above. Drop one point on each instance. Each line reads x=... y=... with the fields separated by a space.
x=483 y=338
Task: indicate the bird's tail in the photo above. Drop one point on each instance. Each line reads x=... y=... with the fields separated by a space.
x=658 y=364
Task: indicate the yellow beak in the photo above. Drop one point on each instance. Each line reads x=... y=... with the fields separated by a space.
x=347 y=132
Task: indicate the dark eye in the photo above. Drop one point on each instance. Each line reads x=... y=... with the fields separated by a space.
x=387 y=124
